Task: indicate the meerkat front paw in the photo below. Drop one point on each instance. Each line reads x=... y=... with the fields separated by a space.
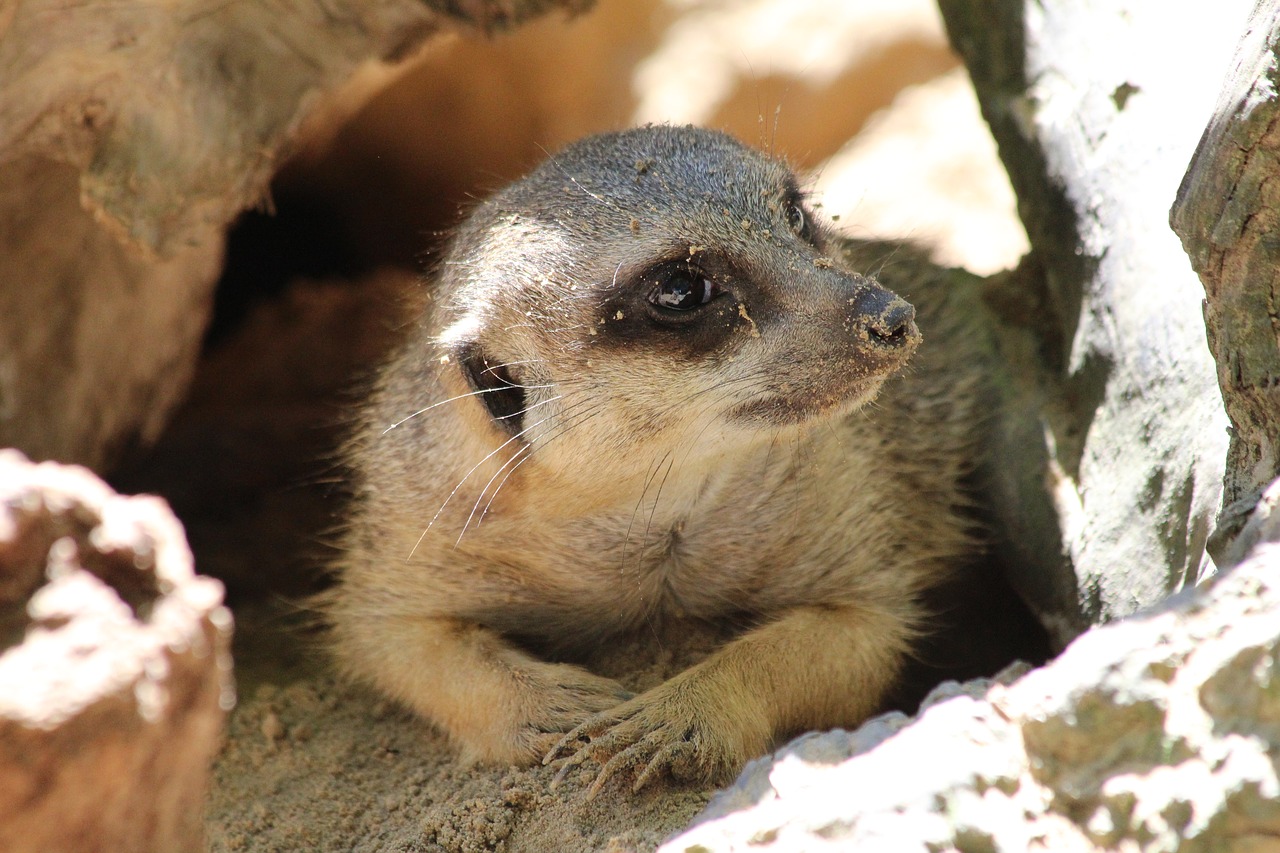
x=688 y=727
x=548 y=701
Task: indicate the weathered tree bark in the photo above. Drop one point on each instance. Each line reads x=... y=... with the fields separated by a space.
x=115 y=668
x=1227 y=213
x=130 y=136
x=1111 y=402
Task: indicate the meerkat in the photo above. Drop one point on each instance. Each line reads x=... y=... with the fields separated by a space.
x=640 y=392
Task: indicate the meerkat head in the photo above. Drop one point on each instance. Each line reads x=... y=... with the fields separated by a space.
x=660 y=287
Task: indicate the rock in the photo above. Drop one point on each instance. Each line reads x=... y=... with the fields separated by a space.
x=1114 y=430
x=1158 y=732
x=115 y=668
x=1263 y=525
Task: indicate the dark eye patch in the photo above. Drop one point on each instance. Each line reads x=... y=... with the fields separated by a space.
x=684 y=306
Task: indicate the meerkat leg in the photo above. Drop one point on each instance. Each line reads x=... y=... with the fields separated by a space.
x=815 y=667
x=496 y=702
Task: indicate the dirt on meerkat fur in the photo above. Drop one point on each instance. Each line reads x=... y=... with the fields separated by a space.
x=644 y=391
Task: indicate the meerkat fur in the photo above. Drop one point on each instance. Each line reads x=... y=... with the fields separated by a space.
x=648 y=386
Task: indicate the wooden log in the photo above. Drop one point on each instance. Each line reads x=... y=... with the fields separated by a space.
x=1227 y=213
x=130 y=136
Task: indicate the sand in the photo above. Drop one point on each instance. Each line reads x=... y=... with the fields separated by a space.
x=317 y=765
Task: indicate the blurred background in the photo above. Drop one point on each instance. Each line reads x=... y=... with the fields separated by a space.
x=864 y=98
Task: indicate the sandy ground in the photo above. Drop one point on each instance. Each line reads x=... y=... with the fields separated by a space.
x=314 y=764
x=317 y=765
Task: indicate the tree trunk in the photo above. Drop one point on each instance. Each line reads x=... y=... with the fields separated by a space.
x=1112 y=405
x=1227 y=213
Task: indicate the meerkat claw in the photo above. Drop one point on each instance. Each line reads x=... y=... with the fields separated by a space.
x=664 y=760
x=617 y=744
x=584 y=734
x=619 y=761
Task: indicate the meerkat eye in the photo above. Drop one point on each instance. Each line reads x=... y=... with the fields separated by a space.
x=799 y=220
x=683 y=289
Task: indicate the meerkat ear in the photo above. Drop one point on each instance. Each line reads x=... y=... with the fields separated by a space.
x=496 y=385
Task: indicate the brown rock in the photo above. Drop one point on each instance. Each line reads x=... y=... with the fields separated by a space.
x=1226 y=213
x=115 y=669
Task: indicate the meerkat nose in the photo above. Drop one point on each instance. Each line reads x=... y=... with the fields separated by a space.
x=895 y=324
x=889 y=320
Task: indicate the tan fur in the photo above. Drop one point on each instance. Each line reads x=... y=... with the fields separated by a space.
x=639 y=493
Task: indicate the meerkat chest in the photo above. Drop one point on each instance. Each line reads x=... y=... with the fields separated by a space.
x=752 y=543
x=699 y=565
x=575 y=583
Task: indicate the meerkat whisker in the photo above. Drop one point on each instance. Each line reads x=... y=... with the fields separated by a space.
x=648 y=481
x=524 y=448
x=519 y=452
x=464 y=479
x=644 y=541
x=524 y=451
x=454 y=399
x=532 y=449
